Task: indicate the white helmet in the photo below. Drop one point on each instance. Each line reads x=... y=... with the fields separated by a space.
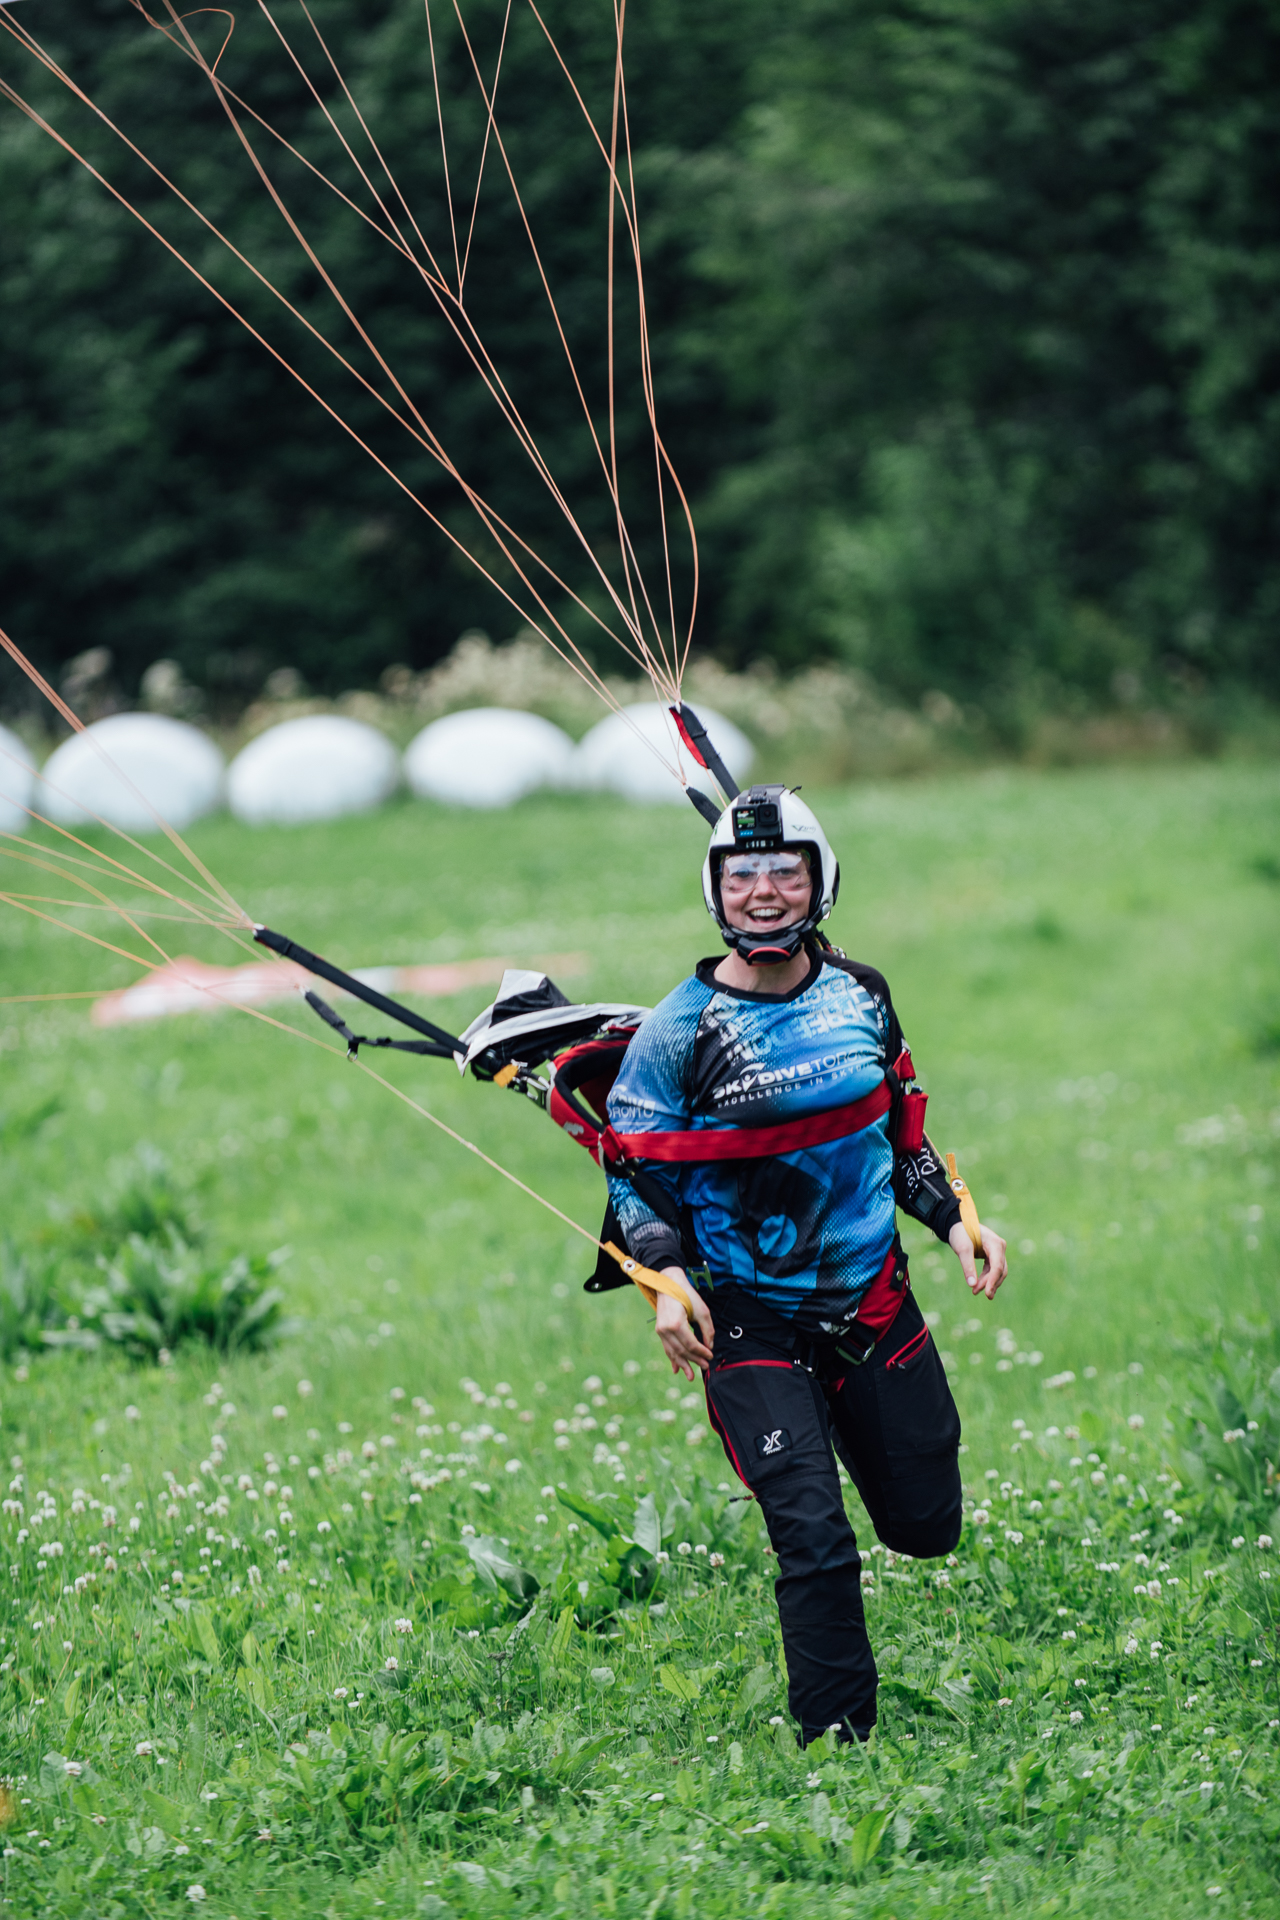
x=763 y=820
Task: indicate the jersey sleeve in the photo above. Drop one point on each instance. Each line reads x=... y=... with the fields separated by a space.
x=652 y=1095
x=919 y=1182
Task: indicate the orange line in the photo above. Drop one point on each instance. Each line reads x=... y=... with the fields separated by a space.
x=444 y=151
x=490 y=520
x=25 y=999
x=484 y=150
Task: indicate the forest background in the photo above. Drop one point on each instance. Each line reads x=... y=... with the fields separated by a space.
x=966 y=338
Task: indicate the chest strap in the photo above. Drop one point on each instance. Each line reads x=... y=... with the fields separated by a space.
x=749 y=1143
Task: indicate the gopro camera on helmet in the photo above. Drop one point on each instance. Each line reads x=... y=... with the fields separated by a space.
x=757 y=818
x=764 y=819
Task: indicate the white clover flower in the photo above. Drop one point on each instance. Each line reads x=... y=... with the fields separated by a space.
x=195 y=1891
x=340 y=1693
x=1264 y=1541
x=715 y=1560
x=1131 y=1645
x=144 y=1749
x=1075 y=1716
x=1069 y=1633
x=1238 y=1542
x=403 y=1625
x=981 y=1517
x=391 y=1664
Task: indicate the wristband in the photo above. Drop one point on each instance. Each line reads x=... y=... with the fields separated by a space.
x=651 y=1284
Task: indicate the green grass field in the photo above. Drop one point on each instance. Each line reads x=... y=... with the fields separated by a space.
x=397 y=1643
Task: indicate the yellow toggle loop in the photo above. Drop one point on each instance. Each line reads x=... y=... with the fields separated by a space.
x=651 y=1284
x=968 y=1212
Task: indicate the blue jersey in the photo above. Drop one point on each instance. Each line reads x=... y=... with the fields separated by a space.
x=805 y=1232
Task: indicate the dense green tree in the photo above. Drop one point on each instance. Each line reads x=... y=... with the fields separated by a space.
x=966 y=324
x=1000 y=284
x=166 y=489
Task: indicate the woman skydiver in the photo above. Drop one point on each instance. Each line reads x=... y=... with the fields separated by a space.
x=799 y=1310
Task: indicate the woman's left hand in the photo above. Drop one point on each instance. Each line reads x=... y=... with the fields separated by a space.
x=995 y=1265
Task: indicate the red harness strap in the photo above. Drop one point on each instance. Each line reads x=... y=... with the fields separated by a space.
x=750 y=1143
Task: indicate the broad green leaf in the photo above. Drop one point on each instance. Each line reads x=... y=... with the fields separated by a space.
x=204 y=1635
x=163 y=1811
x=867 y=1835
x=685 y=1686
x=495 y=1569
x=592 y=1512
x=646 y=1528
x=758 y=1689
x=558 y=1644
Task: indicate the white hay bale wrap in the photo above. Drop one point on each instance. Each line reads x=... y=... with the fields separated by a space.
x=17 y=779
x=316 y=768
x=488 y=757
x=129 y=768
x=617 y=755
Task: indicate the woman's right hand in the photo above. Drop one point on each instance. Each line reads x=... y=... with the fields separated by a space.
x=680 y=1340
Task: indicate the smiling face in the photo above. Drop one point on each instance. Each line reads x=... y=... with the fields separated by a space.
x=764 y=892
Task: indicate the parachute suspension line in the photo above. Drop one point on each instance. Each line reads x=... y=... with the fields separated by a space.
x=491 y=520
x=73 y=720
x=660 y=679
x=657 y=672
x=104 y=868
x=394 y=239
x=630 y=221
x=646 y=371
x=101 y=902
x=89 y=906
x=484 y=150
x=452 y=309
x=584 y=670
x=471 y=1147
x=615 y=484
x=440 y=283
x=140 y=960
x=444 y=150
x=460 y=323
x=437 y=284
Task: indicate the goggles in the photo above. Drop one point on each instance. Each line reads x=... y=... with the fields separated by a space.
x=740 y=872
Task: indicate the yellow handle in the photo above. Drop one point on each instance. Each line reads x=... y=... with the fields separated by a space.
x=651 y=1284
x=968 y=1212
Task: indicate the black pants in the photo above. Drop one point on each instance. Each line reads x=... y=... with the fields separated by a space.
x=894 y=1425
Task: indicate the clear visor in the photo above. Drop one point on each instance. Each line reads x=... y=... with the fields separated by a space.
x=789 y=868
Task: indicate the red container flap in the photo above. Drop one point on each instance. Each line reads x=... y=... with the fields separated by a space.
x=911 y=1122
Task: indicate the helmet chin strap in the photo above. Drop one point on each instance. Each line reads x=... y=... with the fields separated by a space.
x=768 y=950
